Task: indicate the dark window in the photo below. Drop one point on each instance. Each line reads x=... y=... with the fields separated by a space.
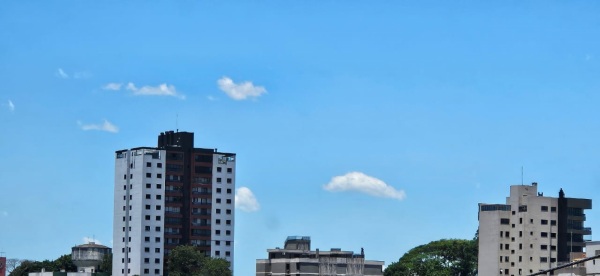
x=159 y=165
x=228 y=201
x=553 y=235
x=228 y=222
x=229 y=170
x=158 y=196
x=218 y=253
x=553 y=209
x=228 y=243
x=217 y=232
x=218 y=190
x=544 y=234
x=523 y=208
x=218 y=180
x=158 y=207
x=147 y=228
x=203 y=158
x=543 y=247
x=157 y=239
x=148 y=185
x=146 y=271
x=147 y=239
x=202 y=169
x=504 y=221
x=148 y=175
x=218 y=221
x=159 y=175
x=147 y=249
x=229 y=180
x=157 y=271
x=147 y=207
x=159 y=186
x=148 y=196
x=543 y=259
x=218 y=200
x=157 y=228
x=147 y=217
x=148 y=164
x=156 y=250
x=146 y=260
x=158 y=218
x=544 y=208
x=218 y=169
x=553 y=222
x=520 y=220
x=229 y=191
x=228 y=211
x=544 y=222
x=228 y=232
x=218 y=211
x=227 y=253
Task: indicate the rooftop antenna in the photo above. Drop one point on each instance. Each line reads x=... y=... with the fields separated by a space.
x=177 y=121
x=521 y=175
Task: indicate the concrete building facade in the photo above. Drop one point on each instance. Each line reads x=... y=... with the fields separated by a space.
x=531 y=232
x=297 y=259
x=170 y=195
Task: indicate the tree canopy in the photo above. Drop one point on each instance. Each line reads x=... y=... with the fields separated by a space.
x=443 y=257
x=187 y=260
x=26 y=266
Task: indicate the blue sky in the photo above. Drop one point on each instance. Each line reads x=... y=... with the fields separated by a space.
x=434 y=105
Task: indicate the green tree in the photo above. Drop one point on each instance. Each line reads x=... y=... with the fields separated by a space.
x=444 y=258
x=187 y=260
x=106 y=265
x=63 y=262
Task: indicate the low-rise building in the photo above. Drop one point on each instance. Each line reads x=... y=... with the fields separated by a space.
x=296 y=258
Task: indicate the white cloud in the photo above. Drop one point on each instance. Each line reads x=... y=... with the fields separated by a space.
x=360 y=182
x=11 y=106
x=105 y=126
x=112 y=86
x=61 y=74
x=82 y=75
x=245 y=200
x=160 y=90
x=87 y=240
x=240 y=91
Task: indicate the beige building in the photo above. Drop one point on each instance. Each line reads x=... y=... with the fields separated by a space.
x=530 y=232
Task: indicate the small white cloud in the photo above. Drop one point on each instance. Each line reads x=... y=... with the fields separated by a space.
x=82 y=75
x=240 y=91
x=112 y=86
x=87 y=240
x=160 y=90
x=11 y=106
x=360 y=182
x=245 y=200
x=61 y=74
x=105 y=126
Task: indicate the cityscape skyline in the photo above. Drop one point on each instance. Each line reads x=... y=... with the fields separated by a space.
x=406 y=115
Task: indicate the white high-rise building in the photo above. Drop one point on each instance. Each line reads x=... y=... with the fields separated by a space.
x=531 y=232
x=170 y=195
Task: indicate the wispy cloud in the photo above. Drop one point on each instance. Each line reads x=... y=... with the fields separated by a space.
x=360 y=182
x=160 y=90
x=112 y=86
x=11 y=106
x=245 y=200
x=61 y=74
x=240 y=91
x=87 y=240
x=105 y=126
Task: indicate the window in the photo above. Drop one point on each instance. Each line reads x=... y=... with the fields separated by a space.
x=157 y=271
x=124 y=187
x=228 y=222
x=148 y=164
x=148 y=175
x=148 y=185
x=229 y=180
x=501 y=234
x=159 y=175
x=158 y=207
x=218 y=200
x=159 y=186
x=157 y=261
x=228 y=211
x=218 y=169
x=544 y=222
x=504 y=221
x=520 y=220
x=146 y=271
x=147 y=249
x=218 y=211
x=228 y=232
x=218 y=221
x=158 y=196
x=544 y=208
x=158 y=218
x=543 y=259
x=520 y=234
x=218 y=190
x=229 y=191
x=553 y=209
x=217 y=253
x=217 y=232
x=156 y=250
x=146 y=260
x=147 y=228
x=159 y=165
x=544 y=234
x=146 y=239
x=157 y=239
x=148 y=196
x=228 y=201
x=229 y=170
x=157 y=228
x=553 y=235
x=147 y=217
x=218 y=180
x=553 y=222
x=227 y=253
x=228 y=243
x=217 y=242
x=147 y=207
x=553 y=247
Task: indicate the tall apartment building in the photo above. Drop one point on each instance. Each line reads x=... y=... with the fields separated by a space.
x=531 y=232
x=297 y=259
x=170 y=195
